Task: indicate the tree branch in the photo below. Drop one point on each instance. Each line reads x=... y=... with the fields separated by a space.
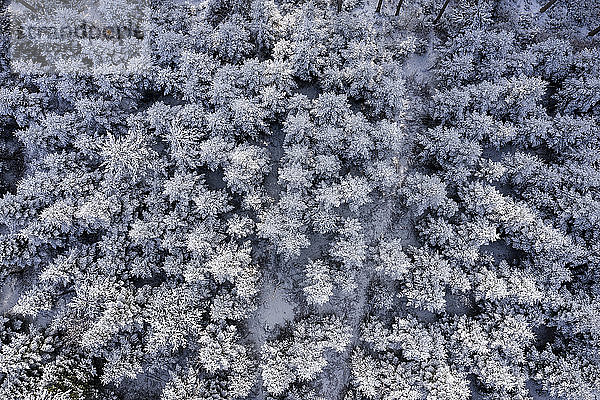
x=27 y=5
x=398 y=8
x=594 y=31
x=547 y=6
x=436 y=20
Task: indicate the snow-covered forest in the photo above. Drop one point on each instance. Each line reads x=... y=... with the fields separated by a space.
x=306 y=200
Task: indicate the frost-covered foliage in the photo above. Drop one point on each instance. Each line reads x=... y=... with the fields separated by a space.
x=290 y=202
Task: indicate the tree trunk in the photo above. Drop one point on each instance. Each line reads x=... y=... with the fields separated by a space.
x=379 y=4
x=594 y=31
x=436 y=20
x=339 y=6
x=548 y=5
x=398 y=8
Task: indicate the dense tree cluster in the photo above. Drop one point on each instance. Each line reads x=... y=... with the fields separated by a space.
x=423 y=197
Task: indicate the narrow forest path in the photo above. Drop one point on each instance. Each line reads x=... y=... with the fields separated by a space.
x=416 y=69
